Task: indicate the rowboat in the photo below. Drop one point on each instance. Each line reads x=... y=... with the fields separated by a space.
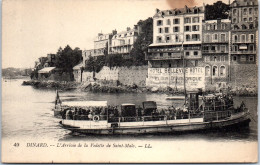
x=208 y=113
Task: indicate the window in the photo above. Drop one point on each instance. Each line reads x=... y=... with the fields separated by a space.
x=170 y=65
x=195 y=19
x=168 y=38
x=161 y=64
x=251 y=58
x=196 y=62
x=187 y=53
x=187 y=28
x=176 y=38
x=176 y=29
x=222 y=49
x=243 y=58
x=251 y=47
x=161 y=54
x=235 y=48
x=195 y=37
x=250 y=11
x=251 y=37
x=256 y=11
x=207 y=38
x=213 y=48
x=222 y=58
x=176 y=21
x=159 y=23
x=223 y=26
x=159 y=39
x=168 y=21
x=245 y=11
x=187 y=20
x=187 y=37
x=235 y=38
x=243 y=38
x=195 y=28
x=215 y=71
x=215 y=58
x=250 y=19
x=215 y=36
x=195 y=53
x=223 y=37
x=234 y=20
x=169 y=54
x=245 y=19
x=207 y=71
x=208 y=27
x=222 y=71
x=215 y=27
x=166 y=30
x=234 y=58
x=234 y=12
x=160 y=30
x=206 y=58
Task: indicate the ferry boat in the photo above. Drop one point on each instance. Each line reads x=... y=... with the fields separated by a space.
x=210 y=112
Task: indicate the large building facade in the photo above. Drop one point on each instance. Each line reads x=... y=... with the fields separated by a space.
x=123 y=42
x=215 y=50
x=244 y=17
x=177 y=40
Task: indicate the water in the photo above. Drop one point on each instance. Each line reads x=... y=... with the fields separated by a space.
x=27 y=113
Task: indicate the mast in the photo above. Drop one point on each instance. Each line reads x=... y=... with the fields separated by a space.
x=184 y=78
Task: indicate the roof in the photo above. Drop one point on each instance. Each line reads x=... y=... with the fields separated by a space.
x=86 y=103
x=46 y=70
x=180 y=11
x=77 y=67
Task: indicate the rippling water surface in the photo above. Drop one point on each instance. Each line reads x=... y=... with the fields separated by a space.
x=27 y=113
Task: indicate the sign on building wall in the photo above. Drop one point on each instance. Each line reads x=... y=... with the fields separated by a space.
x=174 y=77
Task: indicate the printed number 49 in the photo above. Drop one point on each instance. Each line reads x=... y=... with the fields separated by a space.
x=16 y=144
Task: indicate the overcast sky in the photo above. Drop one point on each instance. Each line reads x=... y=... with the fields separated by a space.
x=34 y=28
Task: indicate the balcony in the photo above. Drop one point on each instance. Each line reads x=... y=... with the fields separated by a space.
x=244 y=52
x=244 y=41
x=214 y=51
x=165 y=56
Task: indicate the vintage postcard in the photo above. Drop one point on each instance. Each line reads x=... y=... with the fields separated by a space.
x=120 y=81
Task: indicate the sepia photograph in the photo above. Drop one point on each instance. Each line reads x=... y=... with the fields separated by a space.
x=120 y=81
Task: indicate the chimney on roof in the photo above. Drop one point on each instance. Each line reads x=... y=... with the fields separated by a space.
x=114 y=32
x=128 y=28
x=157 y=11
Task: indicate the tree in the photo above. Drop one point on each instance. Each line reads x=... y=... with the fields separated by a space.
x=217 y=10
x=144 y=39
x=68 y=58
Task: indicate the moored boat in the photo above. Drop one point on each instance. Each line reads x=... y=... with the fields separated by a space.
x=198 y=114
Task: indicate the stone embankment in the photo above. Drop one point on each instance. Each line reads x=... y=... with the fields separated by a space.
x=97 y=88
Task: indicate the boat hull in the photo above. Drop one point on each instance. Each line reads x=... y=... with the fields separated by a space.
x=238 y=121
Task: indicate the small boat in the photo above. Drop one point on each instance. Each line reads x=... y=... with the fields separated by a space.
x=209 y=113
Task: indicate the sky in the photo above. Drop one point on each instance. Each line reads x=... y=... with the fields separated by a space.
x=35 y=28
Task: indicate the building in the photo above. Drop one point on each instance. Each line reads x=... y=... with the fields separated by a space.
x=86 y=54
x=177 y=40
x=244 y=25
x=123 y=42
x=215 y=50
x=102 y=42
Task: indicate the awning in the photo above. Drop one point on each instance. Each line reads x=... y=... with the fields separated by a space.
x=77 y=67
x=86 y=103
x=46 y=70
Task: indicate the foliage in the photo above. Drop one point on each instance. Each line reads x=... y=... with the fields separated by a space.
x=144 y=39
x=95 y=64
x=67 y=58
x=217 y=10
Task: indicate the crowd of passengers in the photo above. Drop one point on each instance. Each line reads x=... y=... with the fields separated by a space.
x=76 y=113
x=218 y=103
